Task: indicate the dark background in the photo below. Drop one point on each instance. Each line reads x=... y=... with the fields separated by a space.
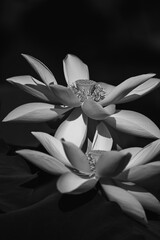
x=117 y=39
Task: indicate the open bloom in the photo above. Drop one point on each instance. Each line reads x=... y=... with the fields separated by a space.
x=119 y=173
x=84 y=98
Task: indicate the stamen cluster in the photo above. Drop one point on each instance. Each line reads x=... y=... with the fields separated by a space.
x=88 y=89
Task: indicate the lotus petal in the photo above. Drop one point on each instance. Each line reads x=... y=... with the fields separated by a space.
x=65 y=95
x=74 y=69
x=128 y=203
x=111 y=163
x=41 y=69
x=74 y=128
x=133 y=123
x=53 y=146
x=102 y=138
x=35 y=112
x=71 y=183
x=34 y=87
x=146 y=154
x=140 y=174
x=77 y=158
x=124 y=88
x=108 y=88
x=147 y=199
x=96 y=111
x=141 y=90
x=43 y=161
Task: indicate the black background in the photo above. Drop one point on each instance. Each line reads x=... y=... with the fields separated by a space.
x=117 y=40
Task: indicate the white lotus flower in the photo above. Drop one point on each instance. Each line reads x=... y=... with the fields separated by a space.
x=85 y=98
x=119 y=173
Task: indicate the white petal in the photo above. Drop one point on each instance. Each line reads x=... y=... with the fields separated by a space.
x=74 y=69
x=71 y=183
x=124 y=88
x=134 y=123
x=33 y=86
x=76 y=157
x=140 y=174
x=141 y=90
x=41 y=69
x=146 y=154
x=43 y=161
x=74 y=128
x=102 y=138
x=128 y=203
x=35 y=112
x=147 y=199
x=53 y=146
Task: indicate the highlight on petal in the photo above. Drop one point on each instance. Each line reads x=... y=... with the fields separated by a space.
x=33 y=87
x=74 y=69
x=147 y=199
x=77 y=158
x=65 y=95
x=128 y=203
x=35 y=112
x=102 y=138
x=124 y=88
x=133 y=123
x=43 y=161
x=141 y=90
x=53 y=146
x=146 y=154
x=142 y=173
x=41 y=69
x=96 y=111
x=111 y=163
x=74 y=128
x=71 y=183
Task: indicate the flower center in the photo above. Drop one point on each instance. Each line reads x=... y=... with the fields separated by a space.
x=85 y=89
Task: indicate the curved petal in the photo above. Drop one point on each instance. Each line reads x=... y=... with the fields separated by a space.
x=53 y=146
x=111 y=163
x=146 y=154
x=74 y=128
x=74 y=69
x=140 y=174
x=96 y=111
x=43 y=161
x=147 y=199
x=133 y=123
x=65 y=95
x=102 y=138
x=141 y=90
x=77 y=158
x=128 y=203
x=41 y=69
x=71 y=183
x=34 y=87
x=35 y=112
x=124 y=88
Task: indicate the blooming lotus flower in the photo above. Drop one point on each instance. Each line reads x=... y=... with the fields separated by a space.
x=119 y=173
x=84 y=98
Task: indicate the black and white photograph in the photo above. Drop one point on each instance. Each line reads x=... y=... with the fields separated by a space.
x=79 y=120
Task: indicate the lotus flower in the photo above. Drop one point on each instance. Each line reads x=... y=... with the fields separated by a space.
x=84 y=98
x=118 y=173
